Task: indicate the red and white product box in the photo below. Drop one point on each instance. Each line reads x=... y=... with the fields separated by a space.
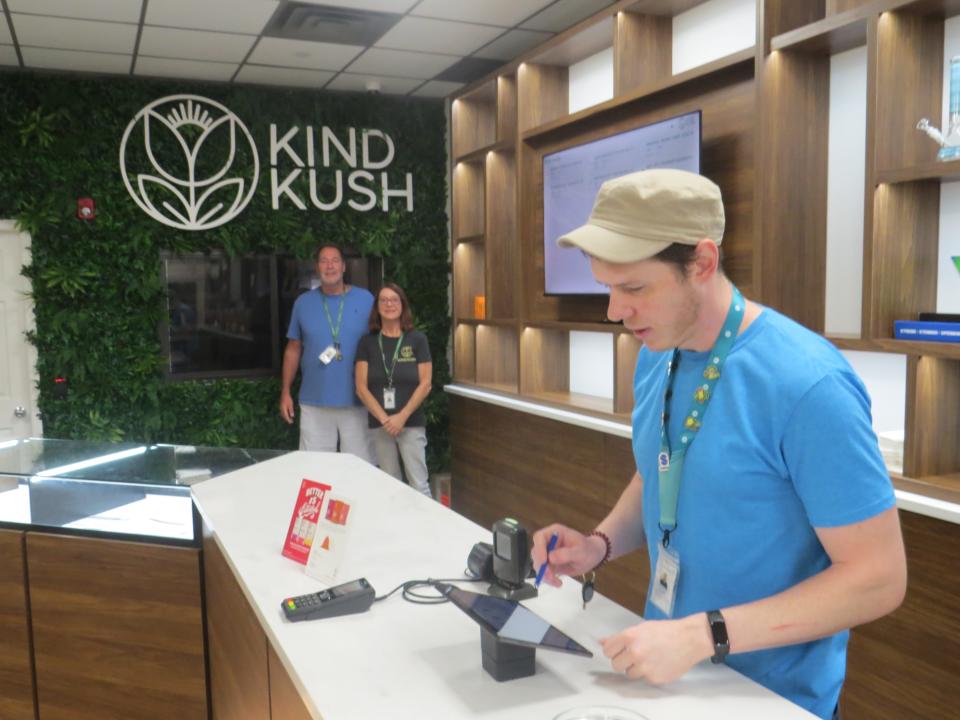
x=303 y=524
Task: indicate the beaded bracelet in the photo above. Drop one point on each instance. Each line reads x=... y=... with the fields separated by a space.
x=606 y=541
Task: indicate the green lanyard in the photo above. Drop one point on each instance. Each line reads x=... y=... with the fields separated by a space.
x=396 y=354
x=334 y=331
x=670 y=462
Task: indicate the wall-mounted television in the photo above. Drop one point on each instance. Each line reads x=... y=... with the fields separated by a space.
x=572 y=177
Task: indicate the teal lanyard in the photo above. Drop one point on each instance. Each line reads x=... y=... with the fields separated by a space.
x=334 y=330
x=396 y=353
x=670 y=462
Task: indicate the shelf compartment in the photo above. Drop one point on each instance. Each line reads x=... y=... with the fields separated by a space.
x=496 y=322
x=933 y=423
x=544 y=361
x=937 y=8
x=947 y=171
x=469 y=203
x=506 y=108
x=475 y=239
x=829 y=36
x=497 y=357
x=576 y=401
x=469 y=280
x=480 y=154
x=616 y=328
x=474 y=119
x=501 y=234
x=625 y=363
x=738 y=61
x=465 y=353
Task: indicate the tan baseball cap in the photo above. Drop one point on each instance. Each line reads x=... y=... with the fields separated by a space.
x=636 y=216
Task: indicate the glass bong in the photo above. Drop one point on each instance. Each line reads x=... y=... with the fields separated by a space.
x=949 y=141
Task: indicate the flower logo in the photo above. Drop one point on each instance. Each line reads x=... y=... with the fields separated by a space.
x=189 y=143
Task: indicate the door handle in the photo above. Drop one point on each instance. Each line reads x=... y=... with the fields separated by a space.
x=20 y=411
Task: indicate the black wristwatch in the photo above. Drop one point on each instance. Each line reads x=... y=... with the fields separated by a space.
x=721 y=643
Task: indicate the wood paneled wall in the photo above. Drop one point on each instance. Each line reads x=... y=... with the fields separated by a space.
x=117 y=629
x=16 y=666
x=507 y=463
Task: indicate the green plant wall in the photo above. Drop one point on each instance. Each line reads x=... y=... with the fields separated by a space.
x=97 y=284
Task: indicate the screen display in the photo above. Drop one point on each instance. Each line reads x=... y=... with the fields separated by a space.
x=512 y=622
x=572 y=177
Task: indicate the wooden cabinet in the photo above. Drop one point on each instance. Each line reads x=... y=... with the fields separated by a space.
x=16 y=665
x=117 y=629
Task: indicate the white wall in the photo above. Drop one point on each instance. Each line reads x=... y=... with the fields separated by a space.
x=948 y=278
x=591 y=81
x=711 y=31
x=846 y=160
x=591 y=363
x=885 y=376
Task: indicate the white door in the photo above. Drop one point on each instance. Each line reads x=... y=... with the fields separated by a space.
x=18 y=394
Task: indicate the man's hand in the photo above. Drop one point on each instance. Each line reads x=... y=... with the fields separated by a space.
x=575 y=553
x=660 y=651
x=286 y=407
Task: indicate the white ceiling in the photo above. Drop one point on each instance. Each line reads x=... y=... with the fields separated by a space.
x=426 y=48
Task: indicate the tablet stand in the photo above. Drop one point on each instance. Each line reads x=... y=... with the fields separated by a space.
x=523 y=591
x=503 y=660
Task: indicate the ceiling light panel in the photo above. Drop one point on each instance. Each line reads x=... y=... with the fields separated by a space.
x=294 y=77
x=195 y=44
x=360 y=83
x=114 y=10
x=302 y=54
x=325 y=23
x=191 y=69
x=440 y=36
x=240 y=16
x=378 y=61
x=45 y=59
x=50 y=32
x=505 y=13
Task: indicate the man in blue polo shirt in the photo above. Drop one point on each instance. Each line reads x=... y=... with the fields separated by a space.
x=760 y=492
x=325 y=328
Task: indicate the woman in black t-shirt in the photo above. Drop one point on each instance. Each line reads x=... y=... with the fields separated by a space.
x=394 y=374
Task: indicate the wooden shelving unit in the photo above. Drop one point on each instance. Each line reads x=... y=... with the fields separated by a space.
x=765 y=115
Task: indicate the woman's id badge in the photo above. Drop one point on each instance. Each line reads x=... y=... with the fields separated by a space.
x=665 y=580
x=389 y=399
x=327 y=356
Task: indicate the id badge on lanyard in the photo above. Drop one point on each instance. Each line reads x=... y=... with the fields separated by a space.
x=389 y=398
x=670 y=462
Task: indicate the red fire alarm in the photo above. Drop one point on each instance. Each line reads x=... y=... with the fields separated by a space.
x=86 y=210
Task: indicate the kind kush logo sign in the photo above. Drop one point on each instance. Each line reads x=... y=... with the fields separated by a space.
x=189 y=162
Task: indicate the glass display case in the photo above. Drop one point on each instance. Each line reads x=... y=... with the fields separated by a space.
x=113 y=488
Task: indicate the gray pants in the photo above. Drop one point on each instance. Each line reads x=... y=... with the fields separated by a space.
x=321 y=426
x=411 y=446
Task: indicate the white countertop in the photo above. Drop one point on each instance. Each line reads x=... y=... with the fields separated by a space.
x=908 y=501
x=401 y=660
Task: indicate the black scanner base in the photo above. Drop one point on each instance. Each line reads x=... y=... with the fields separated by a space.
x=506 y=661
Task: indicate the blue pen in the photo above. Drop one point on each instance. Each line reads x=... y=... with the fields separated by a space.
x=543 y=568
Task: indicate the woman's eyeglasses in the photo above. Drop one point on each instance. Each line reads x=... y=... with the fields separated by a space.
x=389 y=301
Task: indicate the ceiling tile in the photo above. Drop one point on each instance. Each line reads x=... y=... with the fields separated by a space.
x=241 y=16
x=359 y=83
x=469 y=69
x=194 y=44
x=75 y=61
x=63 y=34
x=505 y=13
x=294 y=77
x=116 y=10
x=5 y=37
x=513 y=43
x=8 y=56
x=442 y=36
x=392 y=6
x=564 y=14
x=302 y=54
x=401 y=63
x=193 y=69
x=437 y=88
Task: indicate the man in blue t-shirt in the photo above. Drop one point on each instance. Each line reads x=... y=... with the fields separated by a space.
x=325 y=328
x=760 y=492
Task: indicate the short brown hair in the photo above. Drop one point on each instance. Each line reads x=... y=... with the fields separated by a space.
x=681 y=257
x=406 y=316
x=326 y=245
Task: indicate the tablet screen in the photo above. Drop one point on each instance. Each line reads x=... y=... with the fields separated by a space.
x=511 y=622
